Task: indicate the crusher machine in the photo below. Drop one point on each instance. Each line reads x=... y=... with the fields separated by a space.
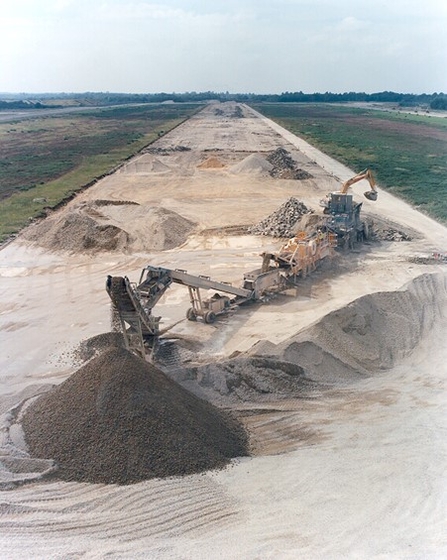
x=134 y=303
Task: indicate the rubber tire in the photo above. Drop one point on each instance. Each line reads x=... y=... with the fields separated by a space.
x=210 y=317
x=191 y=315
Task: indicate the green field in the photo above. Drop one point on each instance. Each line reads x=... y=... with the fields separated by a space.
x=407 y=153
x=52 y=157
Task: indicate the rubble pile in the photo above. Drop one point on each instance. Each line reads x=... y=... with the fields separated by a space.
x=391 y=234
x=284 y=167
x=284 y=222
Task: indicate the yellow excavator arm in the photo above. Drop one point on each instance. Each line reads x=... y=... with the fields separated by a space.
x=366 y=174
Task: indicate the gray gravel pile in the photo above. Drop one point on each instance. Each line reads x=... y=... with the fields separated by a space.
x=391 y=234
x=284 y=167
x=251 y=379
x=120 y=420
x=284 y=221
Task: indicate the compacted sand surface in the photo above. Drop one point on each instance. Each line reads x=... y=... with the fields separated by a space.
x=340 y=382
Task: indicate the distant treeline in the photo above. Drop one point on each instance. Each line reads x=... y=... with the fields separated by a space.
x=22 y=104
x=36 y=101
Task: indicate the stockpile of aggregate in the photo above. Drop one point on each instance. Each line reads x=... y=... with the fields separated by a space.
x=391 y=234
x=252 y=379
x=212 y=162
x=369 y=335
x=284 y=167
x=284 y=221
x=77 y=231
x=96 y=226
x=254 y=163
x=120 y=420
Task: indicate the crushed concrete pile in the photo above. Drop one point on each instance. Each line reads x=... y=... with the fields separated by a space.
x=284 y=221
x=249 y=379
x=120 y=420
x=371 y=334
x=212 y=162
x=390 y=234
x=252 y=164
x=284 y=167
x=119 y=226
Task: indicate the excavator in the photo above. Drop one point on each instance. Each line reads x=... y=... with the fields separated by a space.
x=365 y=174
x=333 y=200
x=344 y=213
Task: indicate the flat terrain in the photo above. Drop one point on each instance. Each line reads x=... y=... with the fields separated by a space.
x=354 y=468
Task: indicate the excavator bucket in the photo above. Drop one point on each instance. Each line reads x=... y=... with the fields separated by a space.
x=371 y=195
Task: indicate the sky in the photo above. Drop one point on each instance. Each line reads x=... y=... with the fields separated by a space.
x=240 y=46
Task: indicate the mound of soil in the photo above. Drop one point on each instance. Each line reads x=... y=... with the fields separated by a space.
x=120 y=420
x=96 y=226
x=78 y=232
x=211 y=163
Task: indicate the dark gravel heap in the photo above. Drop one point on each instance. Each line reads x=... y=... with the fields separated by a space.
x=390 y=234
x=283 y=222
x=120 y=420
x=284 y=167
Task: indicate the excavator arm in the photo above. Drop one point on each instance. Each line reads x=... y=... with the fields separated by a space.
x=366 y=174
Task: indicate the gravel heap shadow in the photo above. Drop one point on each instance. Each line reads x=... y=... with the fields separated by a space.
x=120 y=420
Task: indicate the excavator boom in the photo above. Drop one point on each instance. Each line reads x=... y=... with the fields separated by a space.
x=365 y=174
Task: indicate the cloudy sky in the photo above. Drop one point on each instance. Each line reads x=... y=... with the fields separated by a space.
x=261 y=46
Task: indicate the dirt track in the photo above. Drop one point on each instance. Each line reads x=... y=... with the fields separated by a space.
x=354 y=471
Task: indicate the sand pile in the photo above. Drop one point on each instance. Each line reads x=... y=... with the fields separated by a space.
x=151 y=228
x=254 y=163
x=120 y=420
x=284 y=167
x=116 y=226
x=212 y=162
x=369 y=335
x=284 y=221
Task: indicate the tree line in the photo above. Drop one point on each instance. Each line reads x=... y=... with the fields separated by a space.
x=46 y=100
